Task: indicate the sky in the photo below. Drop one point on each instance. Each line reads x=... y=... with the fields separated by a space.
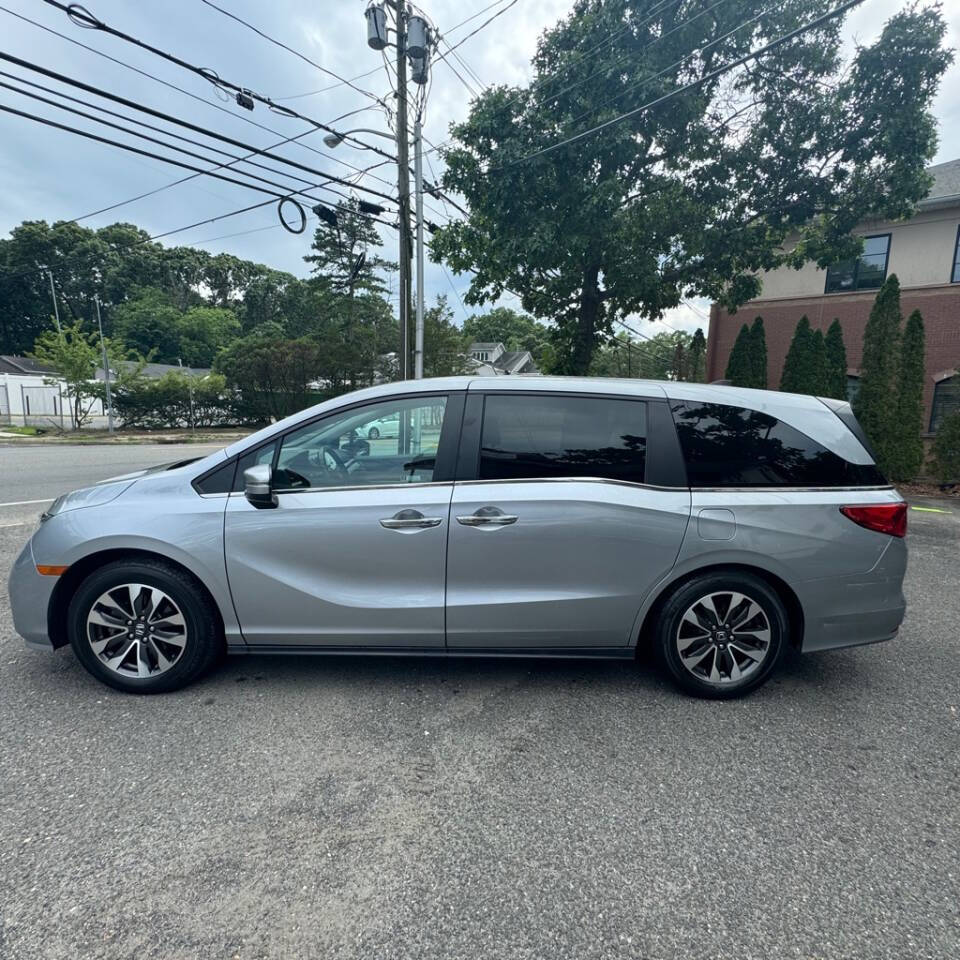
x=52 y=175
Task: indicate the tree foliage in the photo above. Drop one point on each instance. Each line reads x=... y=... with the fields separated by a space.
x=758 y=355
x=835 y=367
x=740 y=367
x=800 y=373
x=875 y=405
x=445 y=345
x=675 y=355
x=907 y=461
x=515 y=330
x=697 y=196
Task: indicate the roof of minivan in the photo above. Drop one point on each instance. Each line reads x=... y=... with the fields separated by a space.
x=804 y=413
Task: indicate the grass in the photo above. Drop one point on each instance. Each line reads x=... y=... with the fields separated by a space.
x=22 y=431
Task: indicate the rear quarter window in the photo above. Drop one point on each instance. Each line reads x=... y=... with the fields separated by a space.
x=727 y=446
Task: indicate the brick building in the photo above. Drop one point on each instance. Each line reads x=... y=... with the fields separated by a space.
x=924 y=253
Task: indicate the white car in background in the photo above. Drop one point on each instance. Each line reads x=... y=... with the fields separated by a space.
x=385 y=427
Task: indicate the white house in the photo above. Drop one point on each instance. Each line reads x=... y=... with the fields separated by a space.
x=494 y=360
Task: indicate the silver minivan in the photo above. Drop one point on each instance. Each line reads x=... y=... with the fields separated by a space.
x=509 y=516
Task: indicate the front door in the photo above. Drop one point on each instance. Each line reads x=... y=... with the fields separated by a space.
x=354 y=553
x=558 y=540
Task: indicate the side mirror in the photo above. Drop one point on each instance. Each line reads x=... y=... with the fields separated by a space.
x=258 y=486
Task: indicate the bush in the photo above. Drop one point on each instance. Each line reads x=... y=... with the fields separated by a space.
x=165 y=402
x=945 y=452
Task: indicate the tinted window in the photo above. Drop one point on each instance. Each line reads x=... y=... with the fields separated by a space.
x=867 y=272
x=728 y=446
x=220 y=481
x=394 y=441
x=547 y=436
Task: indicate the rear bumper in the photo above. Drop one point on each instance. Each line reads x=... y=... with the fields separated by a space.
x=850 y=611
x=30 y=600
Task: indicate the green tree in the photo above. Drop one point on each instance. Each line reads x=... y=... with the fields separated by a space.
x=800 y=373
x=203 y=332
x=664 y=356
x=444 y=344
x=945 y=452
x=758 y=355
x=875 y=405
x=908 y=421
x=835 y=372
x=594 y=207
x=75 y=355
x=149 y=323
x=740 y=365
x=697 y=357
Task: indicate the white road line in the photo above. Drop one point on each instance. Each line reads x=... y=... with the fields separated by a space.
x=24 y=503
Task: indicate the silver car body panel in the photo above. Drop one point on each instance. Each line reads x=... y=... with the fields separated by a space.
x=577 y=572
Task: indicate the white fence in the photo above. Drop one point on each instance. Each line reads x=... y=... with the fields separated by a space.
x=31 y=401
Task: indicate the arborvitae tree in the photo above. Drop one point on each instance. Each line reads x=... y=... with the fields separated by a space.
x=697 y=357
x=740 y=364
x=876 y=406
x=835 y=372
x=799 y=372
x=818 y=364
x=908 y=451
x=758 y=354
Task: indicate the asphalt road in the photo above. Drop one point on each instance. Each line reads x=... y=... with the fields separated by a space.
x=394 y=808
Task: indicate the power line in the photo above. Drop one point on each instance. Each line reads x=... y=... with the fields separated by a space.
x=83 y=18
x=485 y=23
x=343 y=81
x=333 y=86
x=474 y=16
x=186 y=93
x=184 y=123
x=712 y=75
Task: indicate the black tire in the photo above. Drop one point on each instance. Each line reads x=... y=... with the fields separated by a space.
x=686 y=596
x=204 y=637
x=373 y=434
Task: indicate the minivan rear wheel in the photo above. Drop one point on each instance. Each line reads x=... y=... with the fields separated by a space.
x=143 y=626
x=722 y=635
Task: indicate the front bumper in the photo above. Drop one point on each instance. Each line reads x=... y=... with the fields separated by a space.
x=30 y=600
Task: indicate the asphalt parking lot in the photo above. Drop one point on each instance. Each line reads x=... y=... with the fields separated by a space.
x=395 y=808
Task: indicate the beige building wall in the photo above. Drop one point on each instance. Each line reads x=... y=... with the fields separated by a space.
x=921 y=255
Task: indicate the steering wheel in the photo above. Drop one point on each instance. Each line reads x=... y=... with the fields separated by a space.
x=330 y=459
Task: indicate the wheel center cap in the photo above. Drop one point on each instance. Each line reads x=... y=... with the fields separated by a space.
x=722 y=636
x=139 y=629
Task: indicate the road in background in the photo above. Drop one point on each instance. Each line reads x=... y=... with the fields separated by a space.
x=38 y=471
x=358 y=807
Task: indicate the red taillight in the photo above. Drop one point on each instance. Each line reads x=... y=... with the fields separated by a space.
x=888 y=518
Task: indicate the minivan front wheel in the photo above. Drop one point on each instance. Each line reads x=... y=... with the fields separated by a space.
x=721 y=635
x=143 y=626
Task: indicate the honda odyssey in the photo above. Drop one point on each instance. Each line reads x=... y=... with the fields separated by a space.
x=508 y=516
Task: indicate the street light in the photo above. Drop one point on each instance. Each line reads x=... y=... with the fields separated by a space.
x=335 y=139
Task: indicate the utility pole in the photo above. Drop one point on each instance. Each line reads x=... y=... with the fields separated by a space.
x=418 y=178
x=190 y=389
x=106 y=367
x=403 y=186
x=56 y=309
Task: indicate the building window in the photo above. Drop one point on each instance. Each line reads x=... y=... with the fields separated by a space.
x=853 y=388
x=955 y=276
x=481 y=355
x=866 y=272
x=946 y=400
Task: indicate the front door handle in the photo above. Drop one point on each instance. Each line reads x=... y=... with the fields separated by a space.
x=410 y=519
x=487 y=517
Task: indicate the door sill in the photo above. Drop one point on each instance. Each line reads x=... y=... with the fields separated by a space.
x=568 y=653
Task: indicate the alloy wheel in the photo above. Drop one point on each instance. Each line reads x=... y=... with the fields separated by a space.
x=136 y=630
x=723 y=637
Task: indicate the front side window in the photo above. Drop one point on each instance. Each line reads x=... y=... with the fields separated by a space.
x=549 y=437
x=946 y=400
x=866 y=272
x=394 y=441
x=727 y=446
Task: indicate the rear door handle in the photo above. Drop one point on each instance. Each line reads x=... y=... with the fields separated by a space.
x=487 y=517
x=410 y=519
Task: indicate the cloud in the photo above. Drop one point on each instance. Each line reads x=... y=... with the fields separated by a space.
x=52 y=175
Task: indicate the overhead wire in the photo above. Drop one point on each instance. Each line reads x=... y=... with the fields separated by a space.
x=187 y=93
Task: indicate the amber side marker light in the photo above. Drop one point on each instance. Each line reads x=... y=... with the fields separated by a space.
x=51 y=570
